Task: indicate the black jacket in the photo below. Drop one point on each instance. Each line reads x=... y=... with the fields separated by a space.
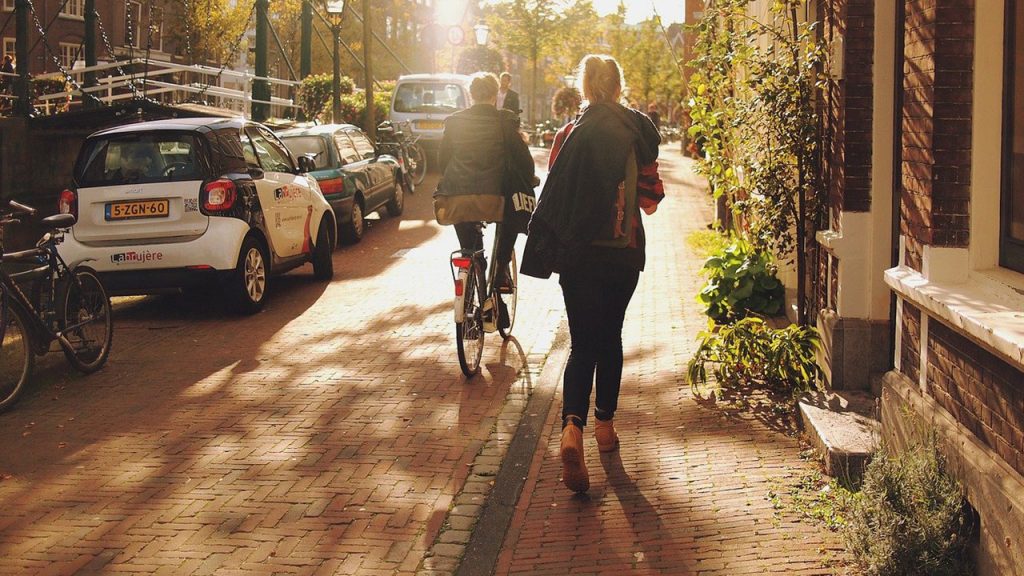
x=472 y=152
x=511 y=101
x=581 y=189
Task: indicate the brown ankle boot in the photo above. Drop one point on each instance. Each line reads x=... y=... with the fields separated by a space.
x=574 y=469
x=607 y=439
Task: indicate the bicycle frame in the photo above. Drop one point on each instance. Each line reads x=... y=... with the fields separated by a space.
x=53 y=269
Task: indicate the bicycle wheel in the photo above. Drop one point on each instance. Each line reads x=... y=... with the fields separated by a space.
x=85 y=321
x=510 y=296
x=469 y=334
x=417 y=163
x=16 y=356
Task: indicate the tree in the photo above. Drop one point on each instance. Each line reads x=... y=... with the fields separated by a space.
x=209 y=31
x=648 y=64
x=480 y=59
x=531 y=28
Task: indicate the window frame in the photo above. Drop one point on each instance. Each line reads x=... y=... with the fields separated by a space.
x=1011 y=250
x=74 y=10
x=134 y=40
x=77 y=49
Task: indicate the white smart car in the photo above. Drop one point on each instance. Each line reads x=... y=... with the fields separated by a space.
x=188 y=202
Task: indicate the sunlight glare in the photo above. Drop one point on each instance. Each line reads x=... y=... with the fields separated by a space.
x=449 y=12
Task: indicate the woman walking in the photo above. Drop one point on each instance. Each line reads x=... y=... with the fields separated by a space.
x=588 y=229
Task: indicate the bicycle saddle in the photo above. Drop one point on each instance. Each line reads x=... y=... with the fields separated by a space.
x=59 y=221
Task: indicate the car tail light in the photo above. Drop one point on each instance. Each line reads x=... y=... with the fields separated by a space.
x=219 y=195
x=68 y=202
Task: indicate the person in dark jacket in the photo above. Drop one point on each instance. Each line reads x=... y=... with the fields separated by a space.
x=473 y=158
x=581 y=231
x=508 y=99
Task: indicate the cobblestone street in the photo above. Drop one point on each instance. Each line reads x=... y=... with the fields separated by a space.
x=333 y=432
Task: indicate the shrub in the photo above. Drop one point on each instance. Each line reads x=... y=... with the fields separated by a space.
x=316 y=91
x=740 y=280
x=353 y=108
x=704 y=243
x=751 y=352
x=909 y=518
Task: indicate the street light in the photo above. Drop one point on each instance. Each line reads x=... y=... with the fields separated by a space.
x=335 y=10
x=481 y=30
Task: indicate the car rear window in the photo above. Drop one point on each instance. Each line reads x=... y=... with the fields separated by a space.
x=136 y=158
x=429 y=97
x=301 y=145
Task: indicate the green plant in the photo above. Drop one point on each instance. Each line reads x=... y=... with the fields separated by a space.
x=909 y=518
x=741 y=280
x=751 y=352
x=316 y=91
x=705 y=243
x=353 y=108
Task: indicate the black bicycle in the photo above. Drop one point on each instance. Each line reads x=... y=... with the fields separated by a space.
x=479 y=302
x=399 y=141
x=46 y=300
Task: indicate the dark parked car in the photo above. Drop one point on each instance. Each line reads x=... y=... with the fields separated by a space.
x=354 y=178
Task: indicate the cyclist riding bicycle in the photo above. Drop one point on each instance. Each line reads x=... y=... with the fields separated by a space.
x=478 y=143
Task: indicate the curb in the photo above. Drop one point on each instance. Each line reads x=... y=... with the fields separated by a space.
x=473 y=532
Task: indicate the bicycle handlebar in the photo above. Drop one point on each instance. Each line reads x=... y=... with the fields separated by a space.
x=19 y=207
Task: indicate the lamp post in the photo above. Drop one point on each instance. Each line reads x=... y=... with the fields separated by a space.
x=335 y=10
x=481 y=30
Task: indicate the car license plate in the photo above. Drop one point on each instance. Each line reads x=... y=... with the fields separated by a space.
x=137 y=209
x=430 y=124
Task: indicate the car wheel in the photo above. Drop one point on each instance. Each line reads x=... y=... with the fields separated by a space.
x=323 y=263
x=352 y=231
x=247 y=287
x=397 y=203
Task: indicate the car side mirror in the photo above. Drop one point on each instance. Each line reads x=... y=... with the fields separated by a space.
x=306 y=163
x=255 y=173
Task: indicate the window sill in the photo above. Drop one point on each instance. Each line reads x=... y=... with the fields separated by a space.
x=71 y=17
x=988 y=307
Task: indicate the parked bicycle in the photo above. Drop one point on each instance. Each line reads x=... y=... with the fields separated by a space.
x=401 y=143
x=477 y=303
x=48 y=301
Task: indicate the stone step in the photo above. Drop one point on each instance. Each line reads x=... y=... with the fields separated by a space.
x=844 y=428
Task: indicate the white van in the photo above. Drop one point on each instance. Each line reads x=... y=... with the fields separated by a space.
x=425 y=100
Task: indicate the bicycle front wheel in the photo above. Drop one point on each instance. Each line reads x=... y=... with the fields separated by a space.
x=16 y=356
x=86 y=323
x=417 y=164
x=509 y=294
x=469 y=334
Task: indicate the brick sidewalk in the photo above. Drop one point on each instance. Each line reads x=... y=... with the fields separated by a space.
x=688 y=491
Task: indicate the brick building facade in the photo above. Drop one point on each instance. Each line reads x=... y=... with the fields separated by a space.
x=920 y=285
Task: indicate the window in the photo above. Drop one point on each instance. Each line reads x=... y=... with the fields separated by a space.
x=74 y=9
x=388 y=27
x=363 y=145
x=156 y=29
x=69 y=54
x=132 y=16
x=429 y=97
x=1011 y=245
x=271 y=154
x=312 y=145
x=346 y=150
x=138 y=158
x=8 y=5
x=8 y=47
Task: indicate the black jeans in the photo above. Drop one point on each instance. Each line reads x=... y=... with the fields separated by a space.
x=471 y=237
x=595 y=301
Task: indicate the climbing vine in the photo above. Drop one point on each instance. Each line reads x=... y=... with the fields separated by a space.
x=754 y=116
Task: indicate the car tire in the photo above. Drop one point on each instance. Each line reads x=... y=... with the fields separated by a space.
x=323 y=262
x=396 y=205
x=246 y=289
x=353 y=230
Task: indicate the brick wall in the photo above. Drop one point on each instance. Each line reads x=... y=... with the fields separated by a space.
x=981 y=391
x=910 y=347
x=936 y=125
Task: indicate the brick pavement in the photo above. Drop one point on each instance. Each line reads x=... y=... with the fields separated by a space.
x=688 y=491
x=328 y=434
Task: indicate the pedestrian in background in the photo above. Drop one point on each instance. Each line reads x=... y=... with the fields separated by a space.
x=654 y=114
x=588 y=229
x=508 y=99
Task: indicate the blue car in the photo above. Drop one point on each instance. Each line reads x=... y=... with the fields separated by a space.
x=354 y=178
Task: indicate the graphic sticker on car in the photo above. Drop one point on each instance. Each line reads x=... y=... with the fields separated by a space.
x=134 y=257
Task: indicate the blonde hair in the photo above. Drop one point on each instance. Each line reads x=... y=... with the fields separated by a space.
x=600 y=78
x=483 y=87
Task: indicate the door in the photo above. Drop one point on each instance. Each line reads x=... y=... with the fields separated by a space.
x=283 y=194
x=379 y=175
